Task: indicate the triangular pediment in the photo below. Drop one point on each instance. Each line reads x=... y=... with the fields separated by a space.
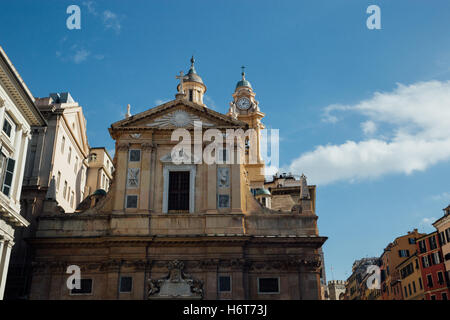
x=178 y=114
x=75 y=122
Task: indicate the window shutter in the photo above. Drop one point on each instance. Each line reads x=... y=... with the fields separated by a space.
x=8 y=178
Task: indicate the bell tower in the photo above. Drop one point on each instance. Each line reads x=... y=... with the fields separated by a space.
x=245 y=107
x=191 y=85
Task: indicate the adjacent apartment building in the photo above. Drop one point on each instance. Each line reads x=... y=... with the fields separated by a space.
x=442 y=226
x=435 y=277
x=411 y=278
x=396 y=252
x=60 y=167
x=18 y=114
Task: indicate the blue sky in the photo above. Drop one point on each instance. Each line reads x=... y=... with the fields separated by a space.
x=363 y=113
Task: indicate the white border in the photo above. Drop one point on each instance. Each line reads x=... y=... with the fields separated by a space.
x=192 y=172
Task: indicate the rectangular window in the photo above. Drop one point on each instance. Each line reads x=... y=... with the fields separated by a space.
x=63 y=143
x=414 y=286
x=429 y=281
x=65 y=189
x=447 y=234
x=268 y=285
x=86 y=287
x=425 y=262
x=7 y=127
x=432 y=241
x=224 y=201
x=135 y=156
x=403 y=253
x=406 y=292
x=422 y=246
x=411 y=240
x=72 y=196
x=420 y=283
x=433 y=297
x=436 y=259
x=224 y=283
x=440 y=277
x=178 y=190
x=132 y=201
x=191 y=93
x=9 y=173
x=69 y=155
x=444 y=296
x=75 y=167
x=442 y=238
x=58 y=180
x=409 y=288
x=126 y=284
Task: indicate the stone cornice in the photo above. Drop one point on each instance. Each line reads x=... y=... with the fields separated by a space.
x=310 y=262
x=198 y=240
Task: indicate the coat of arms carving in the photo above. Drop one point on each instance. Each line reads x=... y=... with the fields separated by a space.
x=176 y=285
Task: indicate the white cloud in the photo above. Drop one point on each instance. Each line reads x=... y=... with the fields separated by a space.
x=111 y=21
x=160 y=101
x=369 y=127
x=90 y=7
x=80 y=55
x=99 y=56
x=444 y=196
x=428 y=221
x=419 y=115
x=210 y=102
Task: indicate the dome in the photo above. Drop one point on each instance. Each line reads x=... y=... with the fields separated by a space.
x=99 y=192
x=243 y=83
x=262 y=191
x=192 y=74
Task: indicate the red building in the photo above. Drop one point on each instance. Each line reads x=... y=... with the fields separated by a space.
x=435 y=279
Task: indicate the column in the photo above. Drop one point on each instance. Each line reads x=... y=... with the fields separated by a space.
x=21 y=159
x=2 y=111
x=4 y=263
x=17 y=155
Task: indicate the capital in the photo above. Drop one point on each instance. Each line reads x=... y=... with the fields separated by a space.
x=123 y=146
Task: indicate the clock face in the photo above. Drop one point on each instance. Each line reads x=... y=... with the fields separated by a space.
x=243 y=103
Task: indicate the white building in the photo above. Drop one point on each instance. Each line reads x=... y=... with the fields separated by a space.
x=18 y=114
x=61 y=151
x=61 y=167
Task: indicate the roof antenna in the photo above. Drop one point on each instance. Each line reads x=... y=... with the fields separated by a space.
x=128 y=111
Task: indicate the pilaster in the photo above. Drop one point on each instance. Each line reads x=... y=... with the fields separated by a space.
x=121 y=175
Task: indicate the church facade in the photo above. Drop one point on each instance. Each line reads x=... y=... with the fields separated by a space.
x=176 y=225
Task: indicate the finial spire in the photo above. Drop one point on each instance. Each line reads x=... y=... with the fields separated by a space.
x=243 y=72
x=128 y=111
x=192 y=61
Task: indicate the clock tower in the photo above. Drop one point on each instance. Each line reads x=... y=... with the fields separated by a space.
x=244 y=107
